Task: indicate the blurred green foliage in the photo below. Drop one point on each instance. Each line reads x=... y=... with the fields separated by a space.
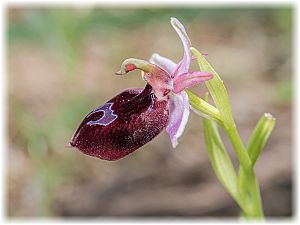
x=45 y=142
x=46 y=24
x=283 y=92
x=63 y=29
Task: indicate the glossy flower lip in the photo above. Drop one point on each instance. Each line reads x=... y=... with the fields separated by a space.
x=122 y=125
x=135 y=116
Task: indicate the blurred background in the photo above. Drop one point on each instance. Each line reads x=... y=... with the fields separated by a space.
x=60 y=66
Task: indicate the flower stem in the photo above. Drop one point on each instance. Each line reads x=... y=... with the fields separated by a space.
x=254 y=199
x=249 y=198
x=238 y=146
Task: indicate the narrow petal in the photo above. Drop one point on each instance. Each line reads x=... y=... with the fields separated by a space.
x=157 y=77
x=122 y=125
x=187 y=80
x=164 y=63
x=186 y=60
x=179 y=109
x=132 y=64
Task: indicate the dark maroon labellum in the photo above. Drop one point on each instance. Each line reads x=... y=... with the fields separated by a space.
x=122 y=125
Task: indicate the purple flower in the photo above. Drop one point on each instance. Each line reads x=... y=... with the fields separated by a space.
x=136 y=116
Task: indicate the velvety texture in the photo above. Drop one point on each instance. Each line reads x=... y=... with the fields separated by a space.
x=122 y=125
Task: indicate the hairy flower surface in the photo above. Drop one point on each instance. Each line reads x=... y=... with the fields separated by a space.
x=136 y=116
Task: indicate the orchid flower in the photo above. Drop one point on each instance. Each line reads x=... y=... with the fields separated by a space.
x=135 y=116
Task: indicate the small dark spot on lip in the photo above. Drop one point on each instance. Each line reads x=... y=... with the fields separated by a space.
x=166 y=92
x=97 y=116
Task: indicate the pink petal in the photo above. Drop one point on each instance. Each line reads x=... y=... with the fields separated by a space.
x=186 y=60
x=187 y=80
x=164 y=63
x=179 y=109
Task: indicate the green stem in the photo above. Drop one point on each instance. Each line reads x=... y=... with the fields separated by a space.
x=248 y=188
x=255 y=198
x=238 y=147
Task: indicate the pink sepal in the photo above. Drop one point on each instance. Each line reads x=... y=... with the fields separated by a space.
x=187 y=80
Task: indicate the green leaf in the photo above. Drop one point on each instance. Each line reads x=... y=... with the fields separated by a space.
x=219 y=158
x=260 y=136
x=216 y=89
